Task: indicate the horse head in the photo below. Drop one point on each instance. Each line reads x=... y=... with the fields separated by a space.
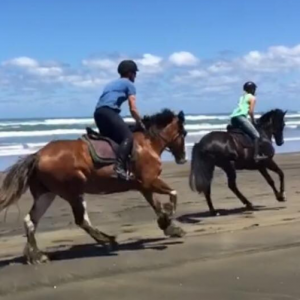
x=168 y=127
x=272 y=123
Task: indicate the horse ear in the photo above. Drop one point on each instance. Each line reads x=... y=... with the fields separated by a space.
x=285 y=112
x=181 y=116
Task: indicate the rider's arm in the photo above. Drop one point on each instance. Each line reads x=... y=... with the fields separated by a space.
x=133 y=109
x=131 y=92
x=251 y=109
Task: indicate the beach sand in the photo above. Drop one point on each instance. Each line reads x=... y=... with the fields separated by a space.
x=129 y=217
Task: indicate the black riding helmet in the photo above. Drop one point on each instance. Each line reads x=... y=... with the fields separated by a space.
x=127 y=66
x=250 y=87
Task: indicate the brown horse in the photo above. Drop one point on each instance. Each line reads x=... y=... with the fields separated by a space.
x=65 y=168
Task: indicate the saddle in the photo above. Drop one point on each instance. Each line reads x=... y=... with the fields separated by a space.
x=246 y=141
x=102 y=149
x=240 y=136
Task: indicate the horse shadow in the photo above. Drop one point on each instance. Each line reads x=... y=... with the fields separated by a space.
x=96 y=250
x=195 y=218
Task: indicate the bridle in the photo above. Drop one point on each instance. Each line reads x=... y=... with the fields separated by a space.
x=167 y=142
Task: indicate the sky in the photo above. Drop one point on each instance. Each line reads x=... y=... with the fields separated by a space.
x=193 y=55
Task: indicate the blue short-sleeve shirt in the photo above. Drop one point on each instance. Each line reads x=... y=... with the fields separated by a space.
x=115 y=93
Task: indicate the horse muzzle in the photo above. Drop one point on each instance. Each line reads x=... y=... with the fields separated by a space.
x=181 y=160
x=280 y=143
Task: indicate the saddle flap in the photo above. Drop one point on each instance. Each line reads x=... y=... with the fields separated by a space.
x=240 y=136
x=103 y=150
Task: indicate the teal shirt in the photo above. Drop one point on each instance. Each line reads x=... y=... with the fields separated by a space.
x=243 y=106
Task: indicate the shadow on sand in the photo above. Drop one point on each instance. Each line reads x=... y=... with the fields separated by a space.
x=195 y=218
x=95 y=250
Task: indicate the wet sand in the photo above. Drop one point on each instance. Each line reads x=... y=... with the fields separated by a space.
x=148 y=265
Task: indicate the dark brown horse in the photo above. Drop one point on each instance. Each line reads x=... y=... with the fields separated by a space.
x=65 y=168
x=233 y=150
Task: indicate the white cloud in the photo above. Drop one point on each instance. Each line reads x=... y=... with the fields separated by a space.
x=150 y=63
x=23 y=62
x=183 y=59
x=147 y=63
x=182 y=75
x=47 y=71
x=149 y=60
x=275 y=59
x=197 y=73
x=33 y=67
x=220 y=67
x=104 y=64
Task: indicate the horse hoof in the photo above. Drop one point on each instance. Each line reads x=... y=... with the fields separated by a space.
x=281 y=198
x=213 y=213
x=164 y=221
x=174 y=231
x=113 y=244
x=36 y=258
x=250 y=207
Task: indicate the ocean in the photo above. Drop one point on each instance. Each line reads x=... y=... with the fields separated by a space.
x=20 y=137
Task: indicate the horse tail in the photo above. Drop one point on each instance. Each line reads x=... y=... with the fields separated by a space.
x=16 y=181
x=202 y=168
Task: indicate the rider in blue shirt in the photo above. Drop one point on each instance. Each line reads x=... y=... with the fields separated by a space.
x=107 y=114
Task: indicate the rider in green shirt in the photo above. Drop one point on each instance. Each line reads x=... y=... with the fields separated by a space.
x=239 y=117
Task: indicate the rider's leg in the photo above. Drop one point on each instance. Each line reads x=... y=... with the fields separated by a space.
x=249 y=128
x=122 y=156
x=111 y=124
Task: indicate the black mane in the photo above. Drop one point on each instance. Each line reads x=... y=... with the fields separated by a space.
x=274 y=114
x=159 y=120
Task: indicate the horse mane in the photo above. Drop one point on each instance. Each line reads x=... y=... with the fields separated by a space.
x=277 y=114
x=159 y=120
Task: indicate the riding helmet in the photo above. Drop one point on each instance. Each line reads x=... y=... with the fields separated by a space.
x=250 y=87
x=127 y=66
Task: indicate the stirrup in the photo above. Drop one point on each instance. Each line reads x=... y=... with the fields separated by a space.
x=260 y=157
x=121 y=172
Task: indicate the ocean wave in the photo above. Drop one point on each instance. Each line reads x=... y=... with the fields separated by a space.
x=193 y=129
x=89 y=121
x=6 y=134
x=49 y=122
x=207 y=126
x=28 y=148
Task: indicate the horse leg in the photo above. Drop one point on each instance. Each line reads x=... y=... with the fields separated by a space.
x=41 y=203
x=160 y=187
x=207 y=194
x=271 y=165
x=270 y=181
x=82 y=219
x=164 y=221
x=231 y=177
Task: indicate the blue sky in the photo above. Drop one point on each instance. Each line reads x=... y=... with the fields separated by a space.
x=55 y=56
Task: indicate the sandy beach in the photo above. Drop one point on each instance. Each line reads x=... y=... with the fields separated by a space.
x=212 y=243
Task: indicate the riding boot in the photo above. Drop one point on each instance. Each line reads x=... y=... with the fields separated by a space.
x=122 y=156
x=257 y=155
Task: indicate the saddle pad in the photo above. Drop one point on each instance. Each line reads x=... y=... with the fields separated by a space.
x=102 y=151
x=240 y=137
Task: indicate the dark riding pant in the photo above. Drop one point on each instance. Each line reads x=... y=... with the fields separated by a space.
x=243 y=123
x=111 y=124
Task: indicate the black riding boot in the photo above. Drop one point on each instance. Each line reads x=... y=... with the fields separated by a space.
x=257 y=155
x=123 y=153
